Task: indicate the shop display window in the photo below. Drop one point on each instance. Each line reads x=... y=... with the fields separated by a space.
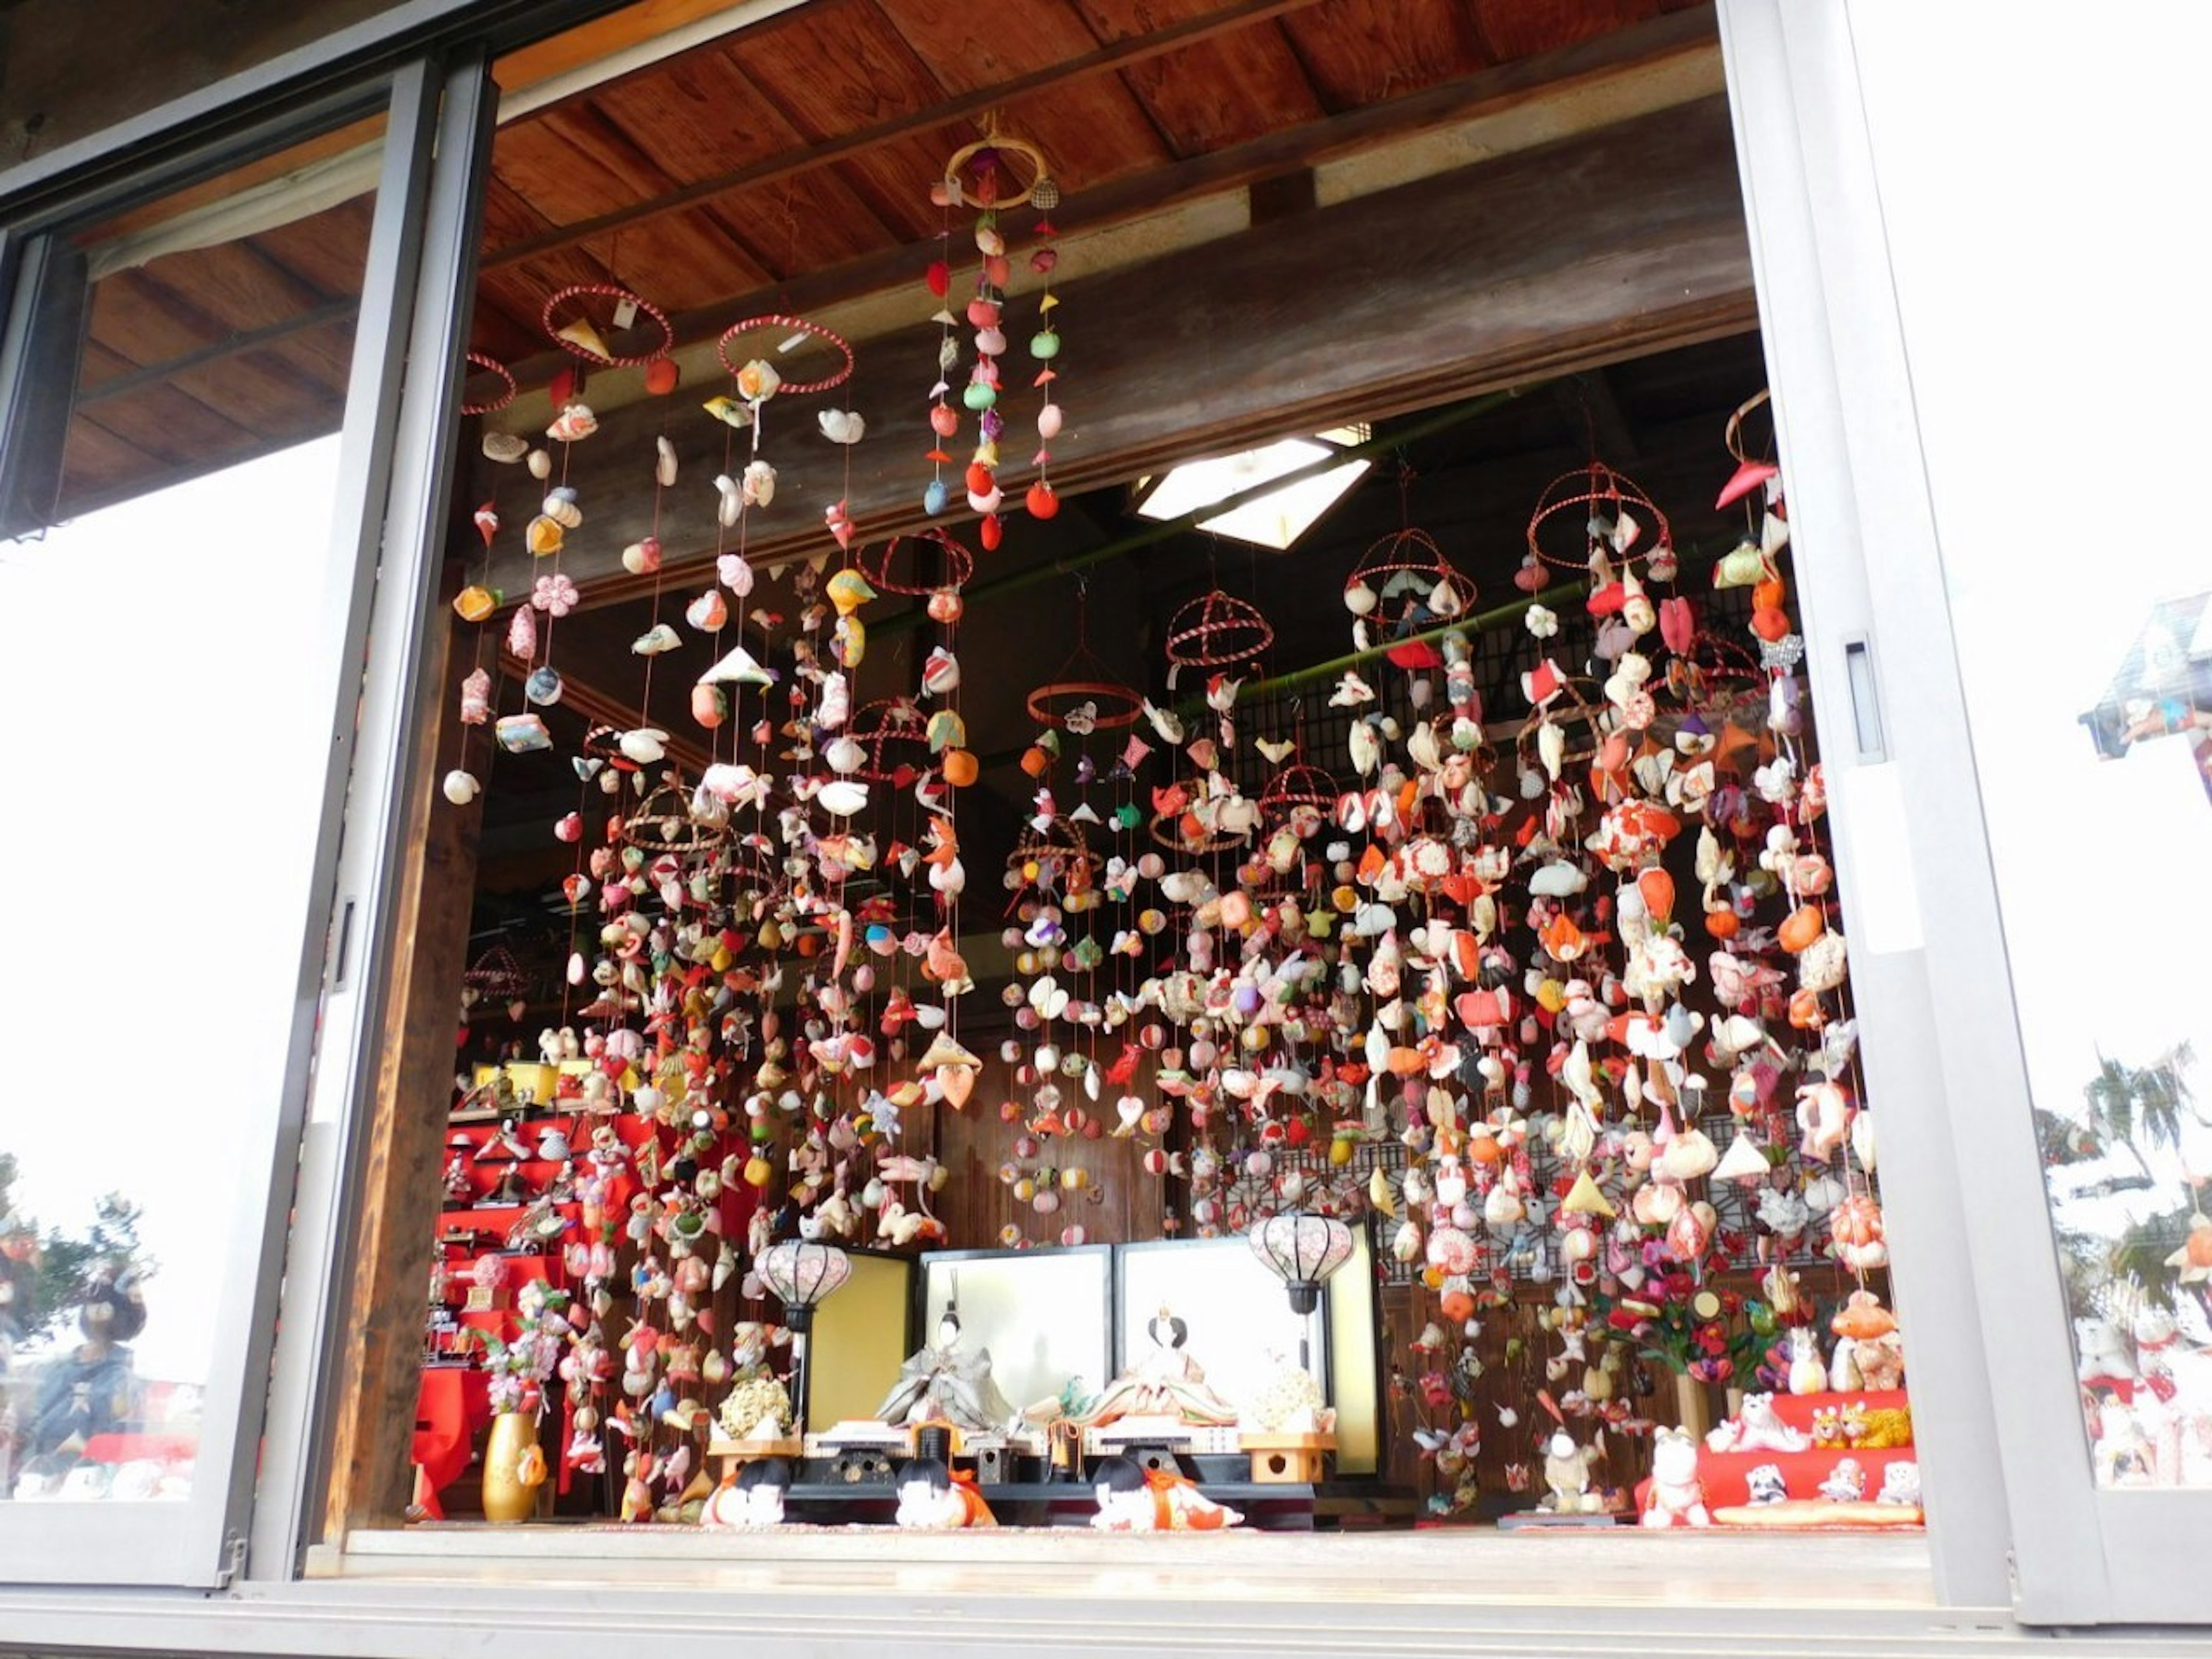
x=1360 y=1009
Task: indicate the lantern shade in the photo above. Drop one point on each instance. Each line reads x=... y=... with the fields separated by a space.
x=1302 y=1250
x=801 y=1273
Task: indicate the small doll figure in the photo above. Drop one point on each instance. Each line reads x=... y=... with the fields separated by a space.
x=933 y=1498
x=1901 y=1485
x=1567 y=1476
x=1677 y=1496
x=587 y=1452
x=753 y=1496
x=1846 y=1482
x=1767 y=1485
x=1132 y=1498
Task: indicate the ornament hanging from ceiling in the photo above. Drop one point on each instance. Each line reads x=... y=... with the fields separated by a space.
x=983 y=174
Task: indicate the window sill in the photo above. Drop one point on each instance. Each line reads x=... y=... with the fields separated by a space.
x=862 y=1593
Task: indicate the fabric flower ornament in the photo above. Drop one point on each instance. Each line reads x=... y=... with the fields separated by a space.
x=1542 y=622
x=556 y=595
x=1082 y=719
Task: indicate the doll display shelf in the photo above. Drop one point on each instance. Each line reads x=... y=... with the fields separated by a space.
x=1267 y=1506
x=1726 y=1475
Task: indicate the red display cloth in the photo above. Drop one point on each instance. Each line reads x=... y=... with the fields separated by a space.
x=1727 y=1475
x=130 y=1448
x=1797 y=1409
x=451 y=1403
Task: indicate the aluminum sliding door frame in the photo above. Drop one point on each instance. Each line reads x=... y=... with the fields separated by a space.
x=1996 y=1404
x=430 y=265
x=201 y=1540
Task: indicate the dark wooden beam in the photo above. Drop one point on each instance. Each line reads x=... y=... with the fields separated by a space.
x=1119 y=55
x=1608 y=245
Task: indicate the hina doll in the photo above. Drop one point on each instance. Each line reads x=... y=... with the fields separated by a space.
x=1133 y=1498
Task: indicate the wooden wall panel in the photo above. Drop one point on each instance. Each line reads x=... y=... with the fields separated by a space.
x=1123 y=1205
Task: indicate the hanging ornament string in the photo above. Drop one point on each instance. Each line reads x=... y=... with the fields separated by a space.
x=724 y=569
x=943 y=419
x=476 y=604
x=978 y=173
x=1044 y=346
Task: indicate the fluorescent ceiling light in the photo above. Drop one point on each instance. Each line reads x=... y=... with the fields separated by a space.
x=1275 y=520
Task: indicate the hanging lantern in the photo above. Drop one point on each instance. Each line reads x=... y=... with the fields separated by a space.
x=1302 y=1250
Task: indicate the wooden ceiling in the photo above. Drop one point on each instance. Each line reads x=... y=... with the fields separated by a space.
x=799 y=151
x=812 y=141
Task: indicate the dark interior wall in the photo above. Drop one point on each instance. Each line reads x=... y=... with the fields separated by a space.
x=62 y=76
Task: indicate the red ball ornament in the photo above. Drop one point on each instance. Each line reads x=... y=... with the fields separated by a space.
x=1042 y=502
x=662 y=376
x=992 y=532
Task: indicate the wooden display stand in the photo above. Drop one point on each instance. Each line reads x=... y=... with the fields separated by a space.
x=1286 y=1459
x=736 y=1452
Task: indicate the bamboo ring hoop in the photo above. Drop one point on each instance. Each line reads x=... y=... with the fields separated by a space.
x=492 y=366
x=1595 y=485
x=619 y=295
x=1215 y=630
x=959 y=565
x=793 y=326
x=1412 y=553
x=1040 y=189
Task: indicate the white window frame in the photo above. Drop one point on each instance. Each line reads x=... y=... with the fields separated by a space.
x=385 y=467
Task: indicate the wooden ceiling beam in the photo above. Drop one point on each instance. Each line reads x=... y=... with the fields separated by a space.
x=964 y=106
x=1610 y=245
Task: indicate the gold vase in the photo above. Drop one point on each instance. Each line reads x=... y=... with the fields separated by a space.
x=1693 y=1405
x=508 y=1496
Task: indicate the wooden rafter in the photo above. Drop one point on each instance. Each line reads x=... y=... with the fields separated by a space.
x=964 y=106
x=1486 y=92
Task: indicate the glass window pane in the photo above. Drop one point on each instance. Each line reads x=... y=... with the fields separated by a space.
x=2097 y=770
x=163 y=636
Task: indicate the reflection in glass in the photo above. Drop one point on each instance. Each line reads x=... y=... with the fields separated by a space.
x=161 y=624
x=2097 y=772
